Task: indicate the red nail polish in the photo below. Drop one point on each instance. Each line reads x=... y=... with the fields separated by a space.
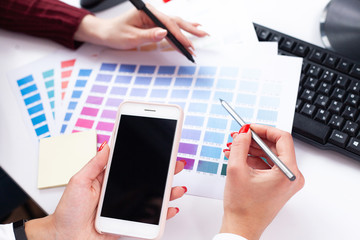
x=232 y=134
x=185 y=189
x=183 y=161
x=228 y=144
x=177 y=210
x=102 y=146
x=225 y=150
x=245 y=128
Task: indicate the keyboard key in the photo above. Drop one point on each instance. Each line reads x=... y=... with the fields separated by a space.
x=317 y=56
x=324 y=88
x=338 y=94
x=301 y=50
x=354 y=146
x=311 y=83
x=351 y=128
x=321 y=101
x=354 y=87
x=335 y=107
x=352 y=100
x=275 y=38
x=287 y=45
x=314 y=71
x=336 y=122
x=344 y=66
x=308 y=110
x=328 y=76
x=338 y=138
x=263 y=35
x=308 y=95
x=355 y=71
x=342 y=82
x=331 y=61
x=350 y=113
x=310 y=128
x=322 y=116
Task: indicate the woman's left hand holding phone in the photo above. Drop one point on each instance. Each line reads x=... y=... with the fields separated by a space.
x=74 y=216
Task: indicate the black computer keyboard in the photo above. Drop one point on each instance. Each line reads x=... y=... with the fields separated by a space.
x=328 y=101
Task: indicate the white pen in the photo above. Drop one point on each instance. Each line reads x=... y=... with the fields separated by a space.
x=260 y=142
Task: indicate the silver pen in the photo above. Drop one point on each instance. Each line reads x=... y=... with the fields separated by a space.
x=260 y=142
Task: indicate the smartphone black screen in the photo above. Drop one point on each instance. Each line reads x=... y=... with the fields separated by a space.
x=139 y=169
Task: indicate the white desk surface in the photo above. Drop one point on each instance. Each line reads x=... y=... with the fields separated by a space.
x=328 y=207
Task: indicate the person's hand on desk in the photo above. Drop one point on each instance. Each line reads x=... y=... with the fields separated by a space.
x=74 y=216
x=133 y=29
x=254 y=192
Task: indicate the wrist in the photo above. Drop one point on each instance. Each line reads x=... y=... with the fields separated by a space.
x=39 y=229
x=91 y=30
x=242 y=227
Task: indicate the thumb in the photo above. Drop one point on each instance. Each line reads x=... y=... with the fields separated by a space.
x=96 y=165
x=152 y=35
x=240 y=147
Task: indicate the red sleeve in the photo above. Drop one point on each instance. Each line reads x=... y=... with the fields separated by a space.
x=50 y=19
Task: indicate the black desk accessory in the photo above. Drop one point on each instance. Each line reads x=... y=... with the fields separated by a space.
x=340 y=27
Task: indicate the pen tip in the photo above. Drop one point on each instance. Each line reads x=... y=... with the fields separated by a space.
x=221 y=100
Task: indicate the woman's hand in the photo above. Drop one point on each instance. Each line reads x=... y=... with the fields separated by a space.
x=133 y=29
x=254 y=191
x=74 y=217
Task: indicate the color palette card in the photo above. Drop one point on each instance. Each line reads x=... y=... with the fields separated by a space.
x=69 y=74
x=34 y=87
x=63 y=156
x=262 y=89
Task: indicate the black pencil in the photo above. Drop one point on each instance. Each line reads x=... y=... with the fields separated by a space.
x=140 y=5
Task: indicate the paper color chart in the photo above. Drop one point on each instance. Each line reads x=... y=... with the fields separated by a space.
x=66 y=71
x=48 y=78
x=80 y=83
x=196 y=88
x=29 y=93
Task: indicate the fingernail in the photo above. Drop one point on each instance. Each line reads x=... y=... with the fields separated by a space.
x=228 y=144
x=165 y=1
x=177 y=210
x=232 y=134
x=225 y=150
x=245 y=128
x=185 y=189
x=102 y=146
x=160 y=34
x=183 y=161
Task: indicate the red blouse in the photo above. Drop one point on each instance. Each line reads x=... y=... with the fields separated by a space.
x=50 y=19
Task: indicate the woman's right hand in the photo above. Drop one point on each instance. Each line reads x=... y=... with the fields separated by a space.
x=254 y=191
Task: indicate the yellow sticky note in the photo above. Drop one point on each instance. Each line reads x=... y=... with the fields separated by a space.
x=63 y=156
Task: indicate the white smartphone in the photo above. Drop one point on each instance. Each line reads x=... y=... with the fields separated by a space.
x=138 y=177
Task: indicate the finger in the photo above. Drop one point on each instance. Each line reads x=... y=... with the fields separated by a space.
x=239 y=150
x=177 y=192
x=155 y=34
x=96 y=165
x=190 y=27
x=227 y=153
x=282 y=140
x=172 y=211
x=180 y=164
x=172 y=26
